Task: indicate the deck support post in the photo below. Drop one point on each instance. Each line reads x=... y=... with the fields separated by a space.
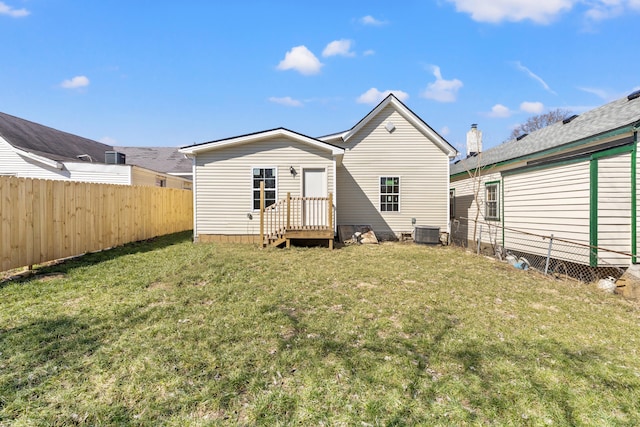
x=330 y=216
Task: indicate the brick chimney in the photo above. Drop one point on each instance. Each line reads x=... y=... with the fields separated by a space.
x=474 y=141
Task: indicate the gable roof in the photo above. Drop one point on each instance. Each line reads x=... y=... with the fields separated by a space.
x=620 y=115
x=49 y=143
x=261 y=136
x=163 y=159
x=409 y=115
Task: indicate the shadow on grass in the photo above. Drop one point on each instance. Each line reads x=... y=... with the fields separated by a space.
x=110 y=254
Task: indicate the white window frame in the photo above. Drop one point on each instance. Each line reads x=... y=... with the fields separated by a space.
x=399 y=193
x=488 y=185
x=275 y=169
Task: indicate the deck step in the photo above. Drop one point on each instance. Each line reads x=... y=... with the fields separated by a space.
x=279 y=241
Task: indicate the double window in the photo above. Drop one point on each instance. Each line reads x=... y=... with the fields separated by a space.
x=389 y=194
x=492 y=200
x=268 y=176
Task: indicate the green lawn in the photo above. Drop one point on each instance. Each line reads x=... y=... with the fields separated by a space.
x=172 y=333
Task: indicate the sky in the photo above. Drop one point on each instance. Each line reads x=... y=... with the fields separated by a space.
x=161 y=73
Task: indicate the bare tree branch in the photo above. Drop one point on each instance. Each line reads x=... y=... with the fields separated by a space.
x=540 y=121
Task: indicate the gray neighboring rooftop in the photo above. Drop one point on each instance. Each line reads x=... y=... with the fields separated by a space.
x=66 y=147
x=162 y=159
x=48 y=142
x=614 y=115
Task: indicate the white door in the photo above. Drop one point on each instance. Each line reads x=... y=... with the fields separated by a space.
x=314 y=183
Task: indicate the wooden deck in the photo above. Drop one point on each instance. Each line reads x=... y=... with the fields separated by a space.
x=294 y=217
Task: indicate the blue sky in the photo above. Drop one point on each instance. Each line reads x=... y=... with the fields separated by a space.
x=143 y=73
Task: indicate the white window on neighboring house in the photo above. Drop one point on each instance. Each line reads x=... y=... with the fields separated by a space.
x=389 y=194
x=268 y=176
x=161 y=182
x=492 y=201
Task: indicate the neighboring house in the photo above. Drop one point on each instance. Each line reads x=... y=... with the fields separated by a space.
x=575 y=180
x=31 y=150
x=162 y=159
x=389 y=172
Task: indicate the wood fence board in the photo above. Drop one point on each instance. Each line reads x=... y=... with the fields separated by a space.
x=44 y=220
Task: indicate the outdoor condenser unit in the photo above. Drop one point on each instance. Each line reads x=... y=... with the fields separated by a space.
x=426 y=235
x=114 y=158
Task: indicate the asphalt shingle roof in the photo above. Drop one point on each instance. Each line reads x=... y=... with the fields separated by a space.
x=163 y=159
x=611 y=116
x=48 y=142
x=63 y=146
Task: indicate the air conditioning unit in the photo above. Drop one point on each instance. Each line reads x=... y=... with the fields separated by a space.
x=114 y=158
x=426 y=235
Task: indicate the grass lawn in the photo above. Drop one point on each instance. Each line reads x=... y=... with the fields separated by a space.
x=172 y=333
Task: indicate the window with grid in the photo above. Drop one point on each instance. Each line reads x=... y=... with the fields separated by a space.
x=268 y=176
x=492 y=201
x=389 y=194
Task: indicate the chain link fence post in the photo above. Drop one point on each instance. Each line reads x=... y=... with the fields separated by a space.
x=479 y=240
x=546 y=266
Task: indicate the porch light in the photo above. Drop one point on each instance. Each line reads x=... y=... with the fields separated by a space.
x=292 y=170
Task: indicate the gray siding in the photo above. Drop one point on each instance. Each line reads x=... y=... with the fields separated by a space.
x=374 y=152
x=466 y=211
x=223 y=180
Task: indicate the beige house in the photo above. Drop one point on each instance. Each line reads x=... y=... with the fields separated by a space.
x=390 y=172
x=576 y=180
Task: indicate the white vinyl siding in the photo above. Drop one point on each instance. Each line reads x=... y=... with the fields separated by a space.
x=614 y=209
x=224 y=181
x=11 y=163
x=373 y=152
x=549 y=201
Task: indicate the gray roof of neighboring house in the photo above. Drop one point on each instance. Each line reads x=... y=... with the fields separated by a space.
x=163 y=159
x=48 y=142
x=63 y=146
x=611 y=116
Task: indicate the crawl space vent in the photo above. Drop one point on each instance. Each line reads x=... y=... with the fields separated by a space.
x=426 y=235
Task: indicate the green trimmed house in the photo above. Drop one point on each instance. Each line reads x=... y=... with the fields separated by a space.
x=575 y=180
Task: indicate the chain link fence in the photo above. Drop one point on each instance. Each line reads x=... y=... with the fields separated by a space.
x=560 y=258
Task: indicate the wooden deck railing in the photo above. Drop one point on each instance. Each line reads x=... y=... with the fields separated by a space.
x=296 y=217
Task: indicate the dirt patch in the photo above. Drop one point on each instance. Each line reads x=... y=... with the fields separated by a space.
x=159 y=285
x=49 y=277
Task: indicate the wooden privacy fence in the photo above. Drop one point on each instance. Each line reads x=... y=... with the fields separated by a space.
x=44 y=220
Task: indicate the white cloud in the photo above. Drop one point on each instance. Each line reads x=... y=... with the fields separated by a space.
x=532 y=107
x=286 y=101
x=302 y=60
x=75 y=82
x=370 y=20
x=600 y=93
x=542 y=11
x=338 y=47
x=499 y=111
x=10 y=11
x=445 y=131
x=535 y=77
x=494 y=11
x=369 y=52
x=442 y=90
x=374 y=96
